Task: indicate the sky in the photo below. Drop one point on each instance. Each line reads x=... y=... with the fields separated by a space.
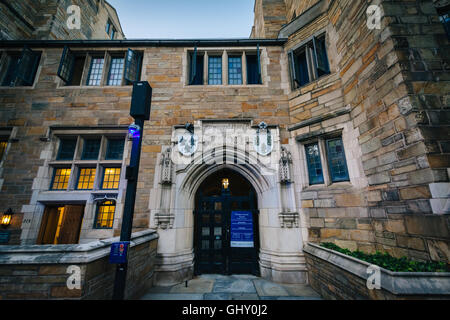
x=185 y=19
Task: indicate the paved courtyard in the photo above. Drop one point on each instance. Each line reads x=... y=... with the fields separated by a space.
x=235 y=287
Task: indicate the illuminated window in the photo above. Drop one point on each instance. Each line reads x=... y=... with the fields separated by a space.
x=61 y=179
x=105 y=215
x=86 y=179
x=111 y=178
x=3 y=145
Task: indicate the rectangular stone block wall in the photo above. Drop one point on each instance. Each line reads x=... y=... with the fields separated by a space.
x=394 y=81
x=47 y=20
x=14 y=27
x=48 y=281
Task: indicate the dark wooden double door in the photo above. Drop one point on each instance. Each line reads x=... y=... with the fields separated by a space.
x=61 y=225
x=214 y=252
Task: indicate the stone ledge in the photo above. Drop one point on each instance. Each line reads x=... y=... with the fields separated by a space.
x=397 y=283
x=305 y=18
x=72 y=253
x=318 y=119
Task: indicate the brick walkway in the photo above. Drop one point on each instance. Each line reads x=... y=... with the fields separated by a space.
x=235 y=287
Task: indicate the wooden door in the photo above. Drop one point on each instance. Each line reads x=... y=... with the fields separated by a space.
x=71 y=224
x=48 y=226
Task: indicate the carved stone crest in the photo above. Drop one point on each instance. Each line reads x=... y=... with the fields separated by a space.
x=188 y=142
x=263 y=140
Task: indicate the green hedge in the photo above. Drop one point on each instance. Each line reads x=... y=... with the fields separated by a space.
x=388 y=262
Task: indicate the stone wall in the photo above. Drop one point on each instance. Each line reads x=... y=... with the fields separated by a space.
x=270 y=16
x=47 y=20
x=294 y=8
x=394 y=84
x=339 y=277
x=41 y=272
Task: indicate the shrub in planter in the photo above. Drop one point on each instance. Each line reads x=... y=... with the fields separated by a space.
x=389 y=262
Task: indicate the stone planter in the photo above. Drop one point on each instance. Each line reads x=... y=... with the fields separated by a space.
x=338 y=276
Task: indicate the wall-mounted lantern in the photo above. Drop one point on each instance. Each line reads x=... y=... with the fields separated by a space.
x=225 y=183
x=6 y=218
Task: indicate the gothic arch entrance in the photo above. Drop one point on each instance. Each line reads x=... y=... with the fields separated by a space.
x=226 y=231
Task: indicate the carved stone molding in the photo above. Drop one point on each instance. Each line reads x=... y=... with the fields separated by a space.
x=167 y=166
x=284 y=168
x=288 y=219
x=96 y=197
x=164 y=220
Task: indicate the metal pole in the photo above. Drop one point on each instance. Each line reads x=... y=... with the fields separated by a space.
x=128 y=212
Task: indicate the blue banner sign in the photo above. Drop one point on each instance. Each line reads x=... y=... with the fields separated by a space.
x=241 y=229
x=119 y=252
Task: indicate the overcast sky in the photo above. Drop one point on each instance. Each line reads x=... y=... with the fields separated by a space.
x=185 y=19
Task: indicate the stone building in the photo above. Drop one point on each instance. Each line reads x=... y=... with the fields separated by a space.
x=326 y=125
x=48 y=20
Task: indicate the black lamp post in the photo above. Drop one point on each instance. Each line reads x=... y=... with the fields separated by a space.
x=140 y=111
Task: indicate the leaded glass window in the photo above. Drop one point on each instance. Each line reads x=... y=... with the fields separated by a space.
x=315 y=171
x=234 y=70
x=66 y=149
x=91 y=149
x=111 y=178
x=95 y=71
x=61 y=178
x=214 y=70
x=336 y=160
x=114 y=150
x=116 y=71
x=105 y=215
x=86 y=179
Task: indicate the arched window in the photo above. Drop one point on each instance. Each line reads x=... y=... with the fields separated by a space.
x=104 y=217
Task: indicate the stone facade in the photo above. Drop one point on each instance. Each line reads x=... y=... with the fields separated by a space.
x=47 y=20
x=385 y=90
x=386 y=97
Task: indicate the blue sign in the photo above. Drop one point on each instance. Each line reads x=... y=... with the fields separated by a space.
x=241 y=229
x=119 y=252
